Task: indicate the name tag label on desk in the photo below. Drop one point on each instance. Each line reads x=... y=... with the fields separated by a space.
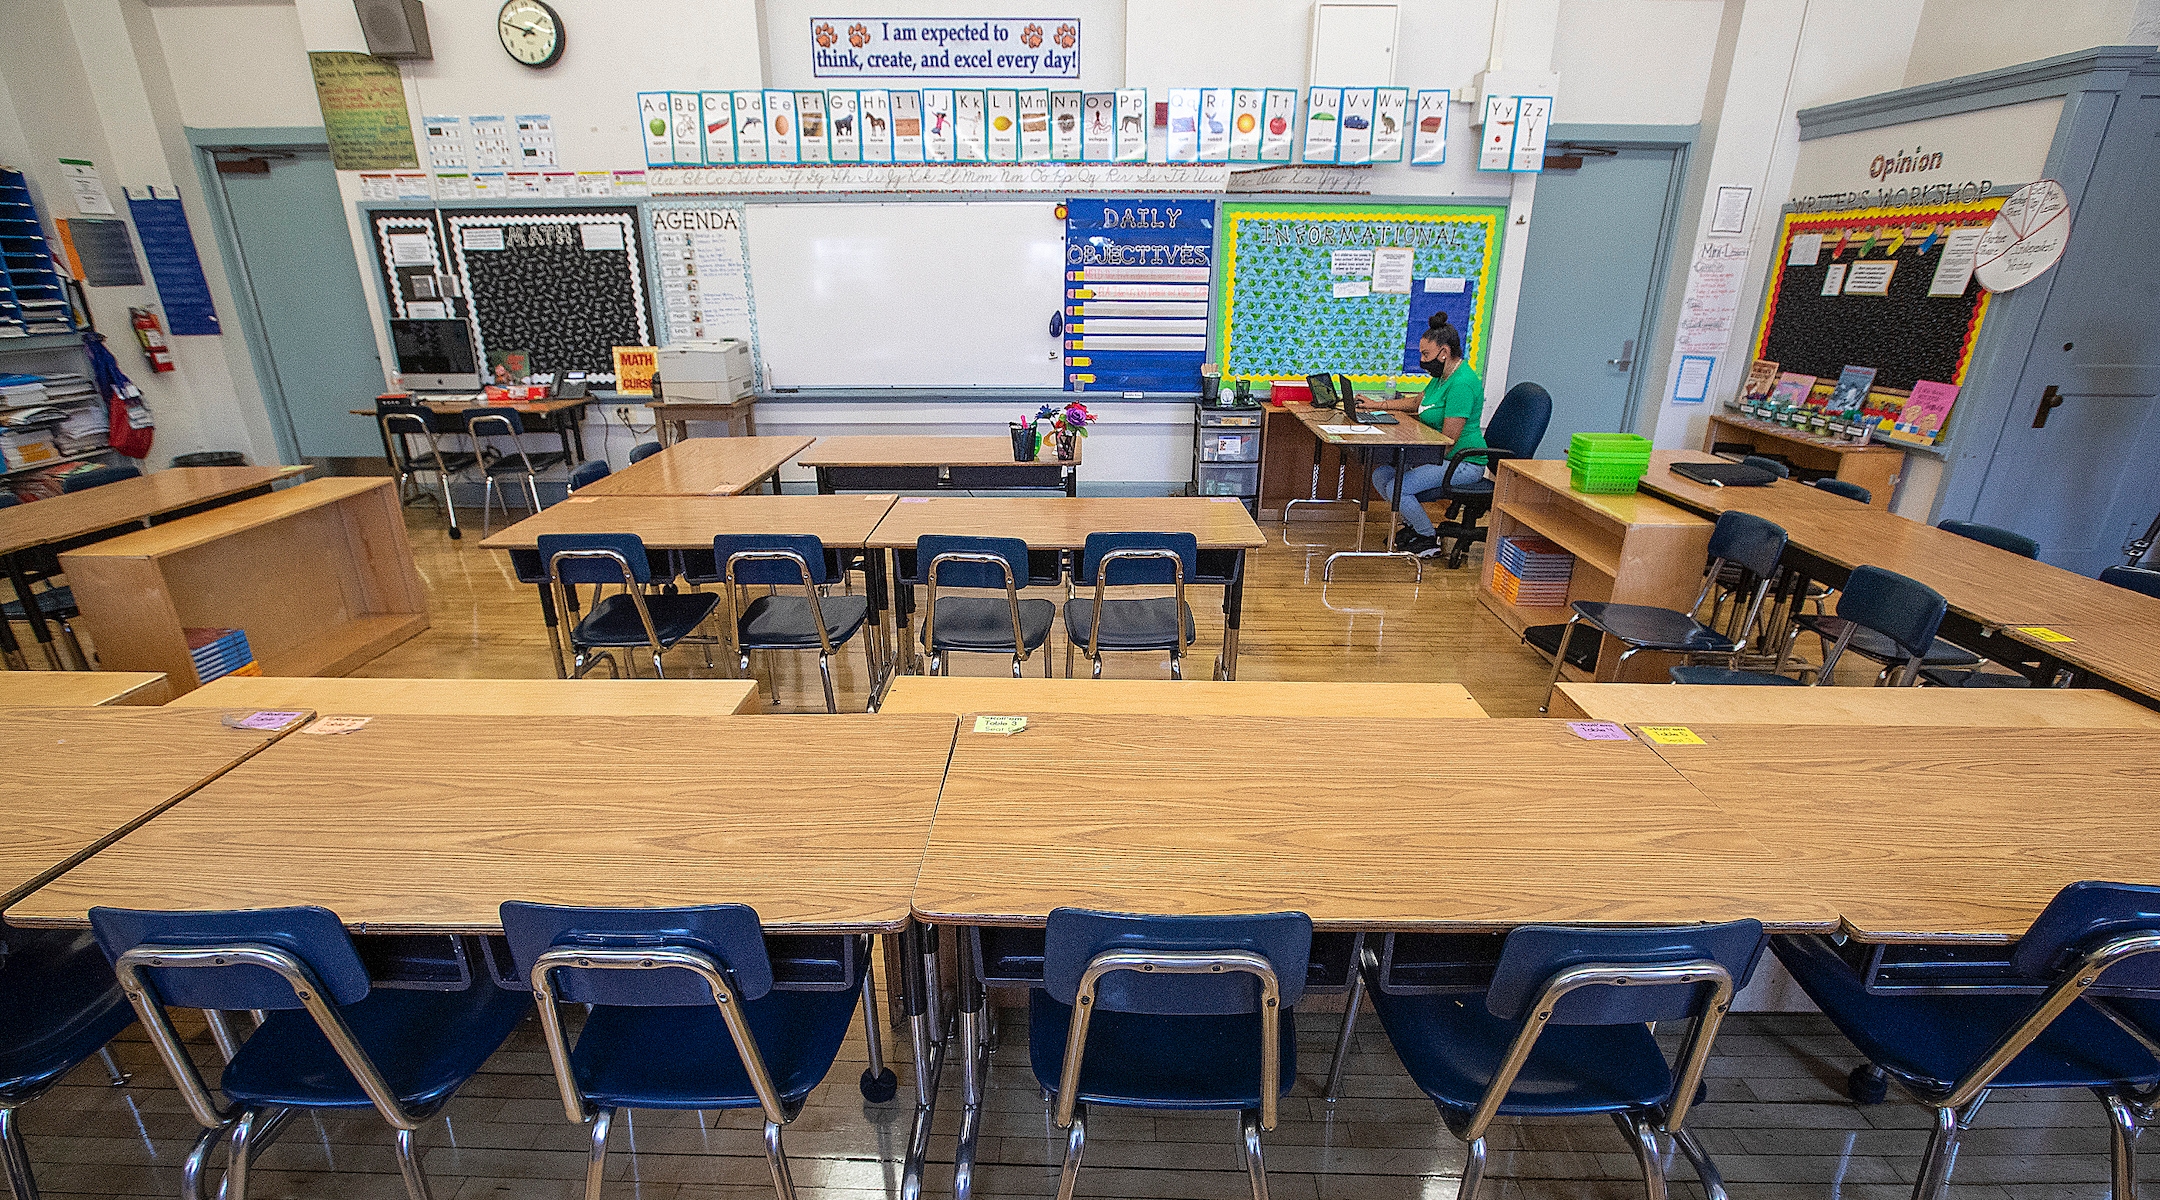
x=2044 y=634
x=1598 y=731
x=1003 y=726
x=1672 y=735
x=914 y=499
x=263 y=720
x=326 y=726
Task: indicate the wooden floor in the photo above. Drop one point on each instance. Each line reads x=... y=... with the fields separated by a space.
x=1776 y=1119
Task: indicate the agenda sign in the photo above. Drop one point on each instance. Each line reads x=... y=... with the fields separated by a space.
x=945 y=47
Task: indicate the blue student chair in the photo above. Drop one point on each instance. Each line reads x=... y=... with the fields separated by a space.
x=635 y=616
x=401 y=422
x=592 y=470
x=497 y=422
x=83 y=481
x=1096 y=624
x=1950 y=665
x=683 y=1015
x=1776 y=466
x=59 y=1004
x=1516 y=428
x=1739 y=540
x=809 y=620
x=1564 y=1030
x=979 y=624
x=2043 y=1024
x=2137 y=579
x=328 y=1040
x=644 y=450
x=1846 y=488
x=1993 y=535
x=1892 y=612
x=1182 y=1013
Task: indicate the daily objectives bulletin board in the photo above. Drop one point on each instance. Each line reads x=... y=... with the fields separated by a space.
x=1348 y=288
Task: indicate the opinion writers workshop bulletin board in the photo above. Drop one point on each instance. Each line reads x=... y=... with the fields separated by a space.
x=1348 y=288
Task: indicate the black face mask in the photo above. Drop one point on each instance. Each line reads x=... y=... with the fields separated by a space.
x=1435 y=367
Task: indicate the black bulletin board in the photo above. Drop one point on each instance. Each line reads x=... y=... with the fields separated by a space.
x=1907 y=335
x=566 y=284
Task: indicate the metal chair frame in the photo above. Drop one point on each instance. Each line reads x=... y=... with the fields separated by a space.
x=936 y=663
x=1892 y=675
x=725 y=997
x=396 y=427
x=1641 y=1134
x=817 y=618
x=582 y=660
x=1702 y=596
x=247 y=1128
x=1955 y=1108
x=1071 y=1115
x=1102 y=577
x=512 y=429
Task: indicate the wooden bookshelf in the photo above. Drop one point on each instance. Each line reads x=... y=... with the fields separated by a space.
x=1629 y=549
x=319 y=577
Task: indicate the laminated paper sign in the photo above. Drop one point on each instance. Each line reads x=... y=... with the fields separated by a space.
x=363 y=108
x=1098 y=123
x=1066 y=113
x=1215 y=125
x=939 y=139
x=1035 y=126
x=969 y=126
x=1428 y=146
x=1003 y=108
x=907 y=127
x=846 y=136
x=1183 y=143
x=1132 y=117
x=1246 y=120
x=877 y=138
x=750 y=127
x=1278 y=125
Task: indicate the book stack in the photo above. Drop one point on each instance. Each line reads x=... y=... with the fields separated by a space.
x=1530 y=572
x=18 y=391
x=220 y=652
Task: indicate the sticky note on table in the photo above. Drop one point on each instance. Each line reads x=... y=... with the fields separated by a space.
x=1598 y=731
x=1000 y=725
x=2044 y=634
x=1671 y=735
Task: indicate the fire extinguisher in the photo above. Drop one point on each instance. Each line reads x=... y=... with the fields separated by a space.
x=152 y=338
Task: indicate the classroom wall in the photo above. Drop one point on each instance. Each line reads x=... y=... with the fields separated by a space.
x=246 y=64
x=1964 y=37
x=1635 y=62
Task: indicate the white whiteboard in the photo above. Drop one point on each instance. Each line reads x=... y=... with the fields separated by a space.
x=908 y=295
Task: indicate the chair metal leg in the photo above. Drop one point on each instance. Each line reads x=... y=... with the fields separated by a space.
x=1075 y=1146
x=783 y=1183
x=1097 y=660
x=240 y=1155
x=74 y=647
x=824 y=666
x=120 y=1078
x=596 y=1156
x=1046 y=662
x=487 y=505
x=191 y=1168
x=408 y=1158
x=1016 y=666
x=1342 y=1040
x=1642 y=1138
x=1705 y=1170
x=21 y=1184
x=1559 y=658
x=1473 y=1170
x=1068 y=657
x=450 y=509
x=1177 y=665
x=1934 y=1180
x=221 y=1033
x=1255 y=1169
x=879 y=1084
x=2122 y=1147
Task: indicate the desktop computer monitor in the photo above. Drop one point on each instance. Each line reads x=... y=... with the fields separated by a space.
x=435 y=356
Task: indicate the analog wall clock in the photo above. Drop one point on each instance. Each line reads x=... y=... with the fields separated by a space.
x=531 y=32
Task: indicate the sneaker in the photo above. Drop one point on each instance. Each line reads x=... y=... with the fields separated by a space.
x=1404 y=537
x=1417 y=543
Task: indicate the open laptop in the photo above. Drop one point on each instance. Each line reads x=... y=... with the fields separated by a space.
x=1326 y=395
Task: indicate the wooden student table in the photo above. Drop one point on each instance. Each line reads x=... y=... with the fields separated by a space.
x=1405 y=433
x=63 y=521
x=703 y=467
x=1875 y=466
x=1197 y=698
x=1220 y=524
x=2125 y=653
x=79 y=778
x=924 y=464
x=475 y=697
x=1935 y=834
x=691 y=523
x=319 y=577
x=72 y=689
x=2016 y=708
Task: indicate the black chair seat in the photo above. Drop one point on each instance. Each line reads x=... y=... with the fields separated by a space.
x=682 y=1057
x=1452 y=1047
x=510 y=464
x=1877 y=648
x=1722 y=677
x=1653 y=628
x=982 y=624
x=1128 y=624
x=614 y=620
x=57 y=604
x=1482 y=489
x=451 y=463
x=783 y=622
x=1952 y=677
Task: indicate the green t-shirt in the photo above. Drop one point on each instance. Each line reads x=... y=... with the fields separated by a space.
x=1461 y=394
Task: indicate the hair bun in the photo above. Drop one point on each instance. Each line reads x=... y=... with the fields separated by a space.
x=1437 y=321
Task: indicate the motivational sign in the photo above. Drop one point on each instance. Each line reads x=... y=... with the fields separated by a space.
x=363 y=107
x=945 y=47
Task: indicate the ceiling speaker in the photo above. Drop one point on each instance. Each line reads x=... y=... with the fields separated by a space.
x=394 y=28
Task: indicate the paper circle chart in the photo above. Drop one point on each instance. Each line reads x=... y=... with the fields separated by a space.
x=2026 y=237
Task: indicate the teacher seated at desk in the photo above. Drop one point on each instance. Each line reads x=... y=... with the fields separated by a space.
x=1452 y=404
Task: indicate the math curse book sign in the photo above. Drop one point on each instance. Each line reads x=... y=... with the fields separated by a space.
x=945 y=47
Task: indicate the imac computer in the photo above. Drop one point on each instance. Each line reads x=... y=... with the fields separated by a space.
x=435 y=356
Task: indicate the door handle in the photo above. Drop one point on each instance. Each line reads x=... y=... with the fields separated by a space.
x=1626 y=361
x=2050 y=400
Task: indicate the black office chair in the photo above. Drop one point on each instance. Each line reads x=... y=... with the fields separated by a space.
x=1517 y=427
x=1840 y=487
x=1776 y=466
x=2137 y=579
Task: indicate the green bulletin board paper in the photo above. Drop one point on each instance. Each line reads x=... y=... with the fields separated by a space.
x=1278 y=316
x=363 y=108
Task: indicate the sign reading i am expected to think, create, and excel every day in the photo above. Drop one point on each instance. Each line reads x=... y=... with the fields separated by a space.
x=945 y=47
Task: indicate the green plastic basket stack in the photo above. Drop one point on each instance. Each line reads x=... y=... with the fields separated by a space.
x=1602 y=463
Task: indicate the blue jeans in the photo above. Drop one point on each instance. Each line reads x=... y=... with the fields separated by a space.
x=1426 y=478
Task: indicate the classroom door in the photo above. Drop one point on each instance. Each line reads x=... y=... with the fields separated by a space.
x=2081 y=484
x=294 y=271
x=1597 y=236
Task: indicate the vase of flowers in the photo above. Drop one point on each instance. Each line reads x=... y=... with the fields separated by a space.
x=1068 y=424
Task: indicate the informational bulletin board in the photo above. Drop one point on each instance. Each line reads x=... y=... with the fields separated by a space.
x=1349 y=288
x=1137 y=272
